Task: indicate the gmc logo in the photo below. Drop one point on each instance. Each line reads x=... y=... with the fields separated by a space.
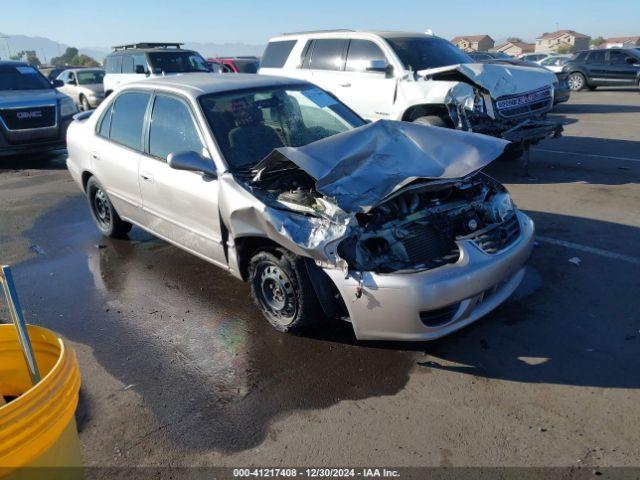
x=32 y=114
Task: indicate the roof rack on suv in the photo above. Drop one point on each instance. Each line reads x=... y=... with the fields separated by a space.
x=319 y=31
x=148 y=45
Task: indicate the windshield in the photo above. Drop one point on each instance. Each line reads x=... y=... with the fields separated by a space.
x=177 y=62
x=420 y=53
x=22 y=77
x=90 y=77
x=248 y=125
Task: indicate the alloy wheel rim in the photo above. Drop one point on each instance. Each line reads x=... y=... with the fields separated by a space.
x=575 y=82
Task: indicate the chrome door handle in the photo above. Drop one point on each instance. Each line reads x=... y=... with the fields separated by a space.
x=345 y=85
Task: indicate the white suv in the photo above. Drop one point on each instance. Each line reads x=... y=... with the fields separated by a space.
x=419 y=78
x=133 y=62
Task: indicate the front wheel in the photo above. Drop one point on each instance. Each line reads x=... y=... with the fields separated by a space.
x=281 y=287
x=576 y=81
x=432 y=120
x=84 y=104
x=103 y=213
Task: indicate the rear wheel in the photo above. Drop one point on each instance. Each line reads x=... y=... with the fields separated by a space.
x=103 y=213
x=433 y=120
x=576 y=81
x=281 y=287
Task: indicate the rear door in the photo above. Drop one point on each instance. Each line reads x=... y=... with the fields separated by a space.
x=620 y=70
x=324 y=58
x=115 y=155
x=369 y=93
x=180 y=206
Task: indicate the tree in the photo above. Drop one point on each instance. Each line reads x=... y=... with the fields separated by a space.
x=597 y=41
x=28 y=56
x=71 y=56
x=564 y=48
x=514 y=40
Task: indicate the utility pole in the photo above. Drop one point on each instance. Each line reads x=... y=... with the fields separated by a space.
x=6 y=39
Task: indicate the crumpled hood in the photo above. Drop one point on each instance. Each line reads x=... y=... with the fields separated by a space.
x=498 y=80
x=361 y=167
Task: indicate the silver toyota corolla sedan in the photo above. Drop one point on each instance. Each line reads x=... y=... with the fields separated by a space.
x=391 y=226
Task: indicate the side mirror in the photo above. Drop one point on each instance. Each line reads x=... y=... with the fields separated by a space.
x=381 y=66
x=632 y=60
x=140 y=69
x=192 y=162
x=57 y=83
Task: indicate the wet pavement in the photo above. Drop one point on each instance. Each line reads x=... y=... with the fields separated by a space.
x=179 y=367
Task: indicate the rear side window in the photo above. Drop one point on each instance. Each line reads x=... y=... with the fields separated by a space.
x=172 y=128
x=127 y=64
x=127 y=119
x=276 y=54
x=361 y=52
x=113 y=64
x=328 y=54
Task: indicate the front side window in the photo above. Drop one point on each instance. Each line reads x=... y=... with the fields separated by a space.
x=327 y=54
x=140 y=63
x=361 y=53
x=276 y=54
x=177 y=62
x=248 y=125
x=90 y=77
x=247 y=66
x=127 y=119
x=421 y=53
x=596 y=57
x=22 y=77
x=172 y=128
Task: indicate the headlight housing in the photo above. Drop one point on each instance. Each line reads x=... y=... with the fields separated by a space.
x=67 y=107
x=501 y=206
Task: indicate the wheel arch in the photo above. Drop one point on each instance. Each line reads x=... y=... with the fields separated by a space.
x=86 y=175
x=422 y=109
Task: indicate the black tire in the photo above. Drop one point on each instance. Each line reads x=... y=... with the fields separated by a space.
x=281 y=287
x=103 y=213
x=84 y=104
x=576 y=81
x=433 y=120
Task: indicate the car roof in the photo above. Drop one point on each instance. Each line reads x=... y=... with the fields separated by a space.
x=379 y=33
x=148 y=50
x=197 y=84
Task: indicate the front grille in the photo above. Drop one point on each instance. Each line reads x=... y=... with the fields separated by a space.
x=425 y=246
x=530 y=103
x=29 y=117
x=498 y=237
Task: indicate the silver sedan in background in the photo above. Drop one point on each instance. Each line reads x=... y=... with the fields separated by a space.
x=391 y=226
x=84 y=86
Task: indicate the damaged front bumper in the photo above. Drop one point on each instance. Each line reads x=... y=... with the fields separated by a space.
x=430 y=304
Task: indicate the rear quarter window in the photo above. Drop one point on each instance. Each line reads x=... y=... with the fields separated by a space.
x=276 y=54
x=113 y=64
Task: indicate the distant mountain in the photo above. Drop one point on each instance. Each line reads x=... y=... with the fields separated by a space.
x=46 y=48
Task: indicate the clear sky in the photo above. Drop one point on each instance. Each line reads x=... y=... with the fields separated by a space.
x=88 y=23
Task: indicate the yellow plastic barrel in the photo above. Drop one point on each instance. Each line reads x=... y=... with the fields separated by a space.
x=37 y=426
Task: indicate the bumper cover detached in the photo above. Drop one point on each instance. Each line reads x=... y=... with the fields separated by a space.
x=533 y=131
x=430 y=304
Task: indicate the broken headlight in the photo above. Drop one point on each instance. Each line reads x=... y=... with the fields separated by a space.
x=501 y=206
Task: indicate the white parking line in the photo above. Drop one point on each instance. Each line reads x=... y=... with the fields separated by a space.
x=587 y=249
x=592 y=155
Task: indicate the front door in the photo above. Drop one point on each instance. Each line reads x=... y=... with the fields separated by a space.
x=180 y=206
x=369 y=93
x=622 y=71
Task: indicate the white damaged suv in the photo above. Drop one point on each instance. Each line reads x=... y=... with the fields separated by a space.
x=419 y=78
